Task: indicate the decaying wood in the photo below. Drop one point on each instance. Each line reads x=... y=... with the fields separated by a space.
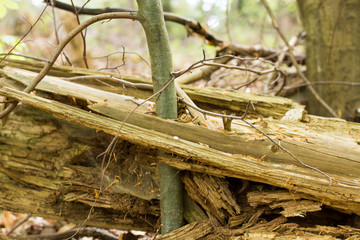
x=211 y=99
x=292 y=204
x=194 y=230
x=50 y=167
x=318 y=146
x=291 y=176
x=212 y=194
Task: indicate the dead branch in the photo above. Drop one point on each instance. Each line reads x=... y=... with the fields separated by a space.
x=192 y=26
x=61 y=46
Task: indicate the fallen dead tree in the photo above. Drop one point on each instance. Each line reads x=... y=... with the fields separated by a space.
x=50 y=165
x=211 y=99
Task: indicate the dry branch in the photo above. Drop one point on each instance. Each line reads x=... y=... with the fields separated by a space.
x=192 y=26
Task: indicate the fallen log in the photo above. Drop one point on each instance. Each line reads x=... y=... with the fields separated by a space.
x=209 y=98
x=280 y=170
x=50 y=166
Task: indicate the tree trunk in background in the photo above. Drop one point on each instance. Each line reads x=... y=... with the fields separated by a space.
x=333 y=53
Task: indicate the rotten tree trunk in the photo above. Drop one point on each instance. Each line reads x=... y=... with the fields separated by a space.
x=50 y=164
x=311 y=142
x=48 y=167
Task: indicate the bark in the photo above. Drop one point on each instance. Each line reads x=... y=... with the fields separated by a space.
x=49 y=167
x=151 y=17
x=333 y=53
x=208 y=98
x=330 y=145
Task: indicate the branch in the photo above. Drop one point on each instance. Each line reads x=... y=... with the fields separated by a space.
x=98 y=78
x=31 y=27
x=61 y=46
x=242 y=118
x=190 y=24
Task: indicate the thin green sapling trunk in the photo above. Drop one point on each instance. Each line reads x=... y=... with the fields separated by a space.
x=151 y=17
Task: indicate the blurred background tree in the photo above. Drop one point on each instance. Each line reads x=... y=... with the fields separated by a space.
x=248 y=21
x=333 y=53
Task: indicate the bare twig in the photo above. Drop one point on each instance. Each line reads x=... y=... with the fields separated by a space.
x=24 y=56
x=293 y=41
x=111 y=78
x=242 y=118
x=282 y=36
x=239 y=68
x=85 y=221
x=191 y=25
x=81 y=33
x=205 y=61
x=122 y=52
x=61 y=46
x=323 y=83
x=247 y=83
x=113 y=142
x=95 y=233
x=28 y=31
x=19 y=224
x=56 y=33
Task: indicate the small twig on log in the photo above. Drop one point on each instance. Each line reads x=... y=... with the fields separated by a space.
x=242 y=118
x=292 y=57
x=112 y=79
x=195 y=114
